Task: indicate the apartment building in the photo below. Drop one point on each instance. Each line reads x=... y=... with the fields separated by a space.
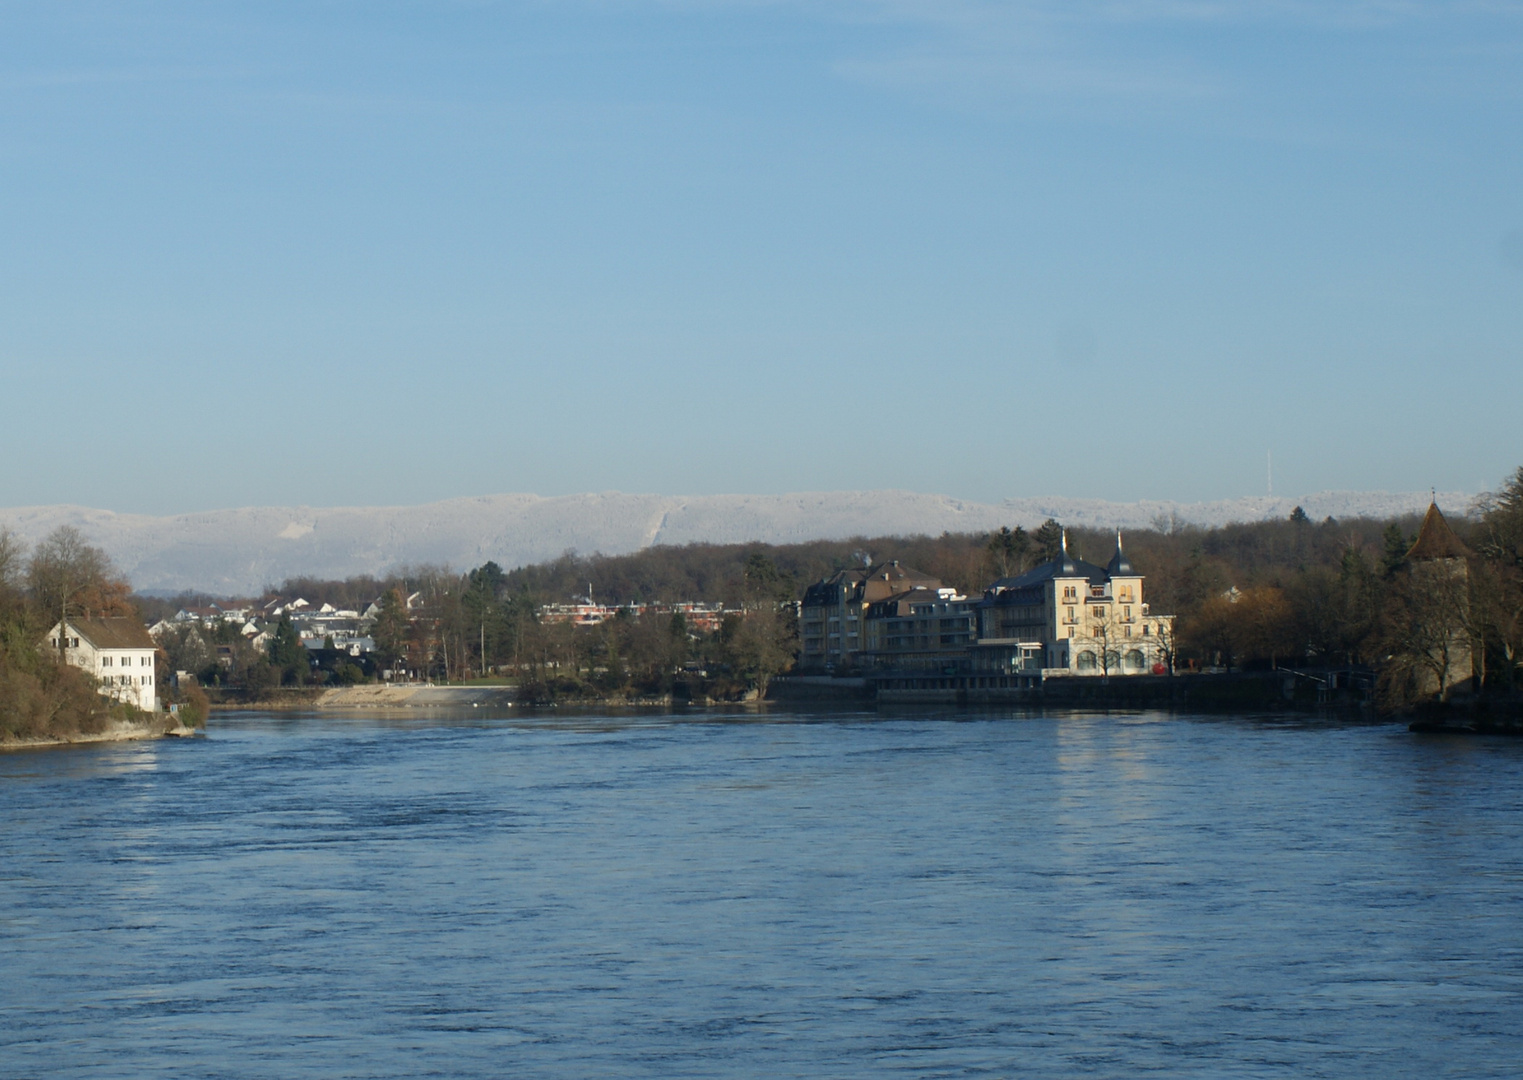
x=833 y=613
x=1087 y=619
x=918 y=628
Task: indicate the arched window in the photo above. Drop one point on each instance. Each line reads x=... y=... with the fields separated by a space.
x=1133 y=660
x=1088 y=661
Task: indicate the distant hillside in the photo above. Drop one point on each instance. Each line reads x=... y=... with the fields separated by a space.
x=238 y=551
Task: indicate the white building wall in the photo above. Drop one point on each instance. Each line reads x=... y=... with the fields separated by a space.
x=121 y=674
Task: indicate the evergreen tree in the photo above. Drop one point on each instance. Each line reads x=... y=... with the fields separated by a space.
x=287 y=654
x=390 y=629
x=1007 y=550
x=1049 y=540
x=1396 y=544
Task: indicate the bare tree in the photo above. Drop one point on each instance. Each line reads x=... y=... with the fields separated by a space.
x=12 y=554
x=68 y=576
x=1429 y=630
x=1498 y=592
x=12 y=608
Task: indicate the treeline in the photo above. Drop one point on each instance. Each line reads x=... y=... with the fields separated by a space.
x=1291 y=592
x=487 y=622
x=41 y=696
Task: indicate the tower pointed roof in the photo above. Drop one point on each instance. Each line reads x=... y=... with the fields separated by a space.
x=1436 y=540
x=1119 y=563
x=1067 y=563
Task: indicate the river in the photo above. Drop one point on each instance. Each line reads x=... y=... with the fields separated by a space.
x=794 y=894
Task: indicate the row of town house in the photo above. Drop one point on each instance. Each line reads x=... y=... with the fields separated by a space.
x=1064 y=617
x=346 y=629
x=701 y=618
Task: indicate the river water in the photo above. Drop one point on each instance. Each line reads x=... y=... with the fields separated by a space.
x=795 y=894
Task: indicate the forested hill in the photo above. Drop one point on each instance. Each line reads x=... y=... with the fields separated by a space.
x=230 y=552
x=1182 y=566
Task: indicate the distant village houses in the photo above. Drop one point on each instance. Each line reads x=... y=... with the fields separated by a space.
x=702 y=618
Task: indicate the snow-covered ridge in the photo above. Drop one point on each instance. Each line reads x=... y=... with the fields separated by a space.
x=239 y=551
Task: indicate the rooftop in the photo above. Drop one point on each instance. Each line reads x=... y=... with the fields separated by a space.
x=1436 y=540
x=115 y=633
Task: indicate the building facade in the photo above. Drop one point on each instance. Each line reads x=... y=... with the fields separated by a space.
x=1065 y=617
x=117 y=652
x=918 y=628
x=1434 y=592
x=1086 y=619
x=833 y=613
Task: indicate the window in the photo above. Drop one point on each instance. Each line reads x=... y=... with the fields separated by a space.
x=1128 y=630
x=105 y=661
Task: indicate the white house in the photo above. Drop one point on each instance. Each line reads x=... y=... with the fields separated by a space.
x=118 y=652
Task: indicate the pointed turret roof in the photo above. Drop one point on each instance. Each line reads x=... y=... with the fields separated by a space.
x=1436 y=540
x=1119 y=563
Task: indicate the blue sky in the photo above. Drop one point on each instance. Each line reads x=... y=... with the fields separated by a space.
x=356 y=253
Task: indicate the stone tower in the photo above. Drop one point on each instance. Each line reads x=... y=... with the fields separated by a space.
x=1437 y=606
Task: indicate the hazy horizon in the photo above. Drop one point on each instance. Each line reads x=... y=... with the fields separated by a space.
x=1460 y=501
x=231 y=552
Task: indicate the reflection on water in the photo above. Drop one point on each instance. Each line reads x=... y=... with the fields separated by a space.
x=801 y=894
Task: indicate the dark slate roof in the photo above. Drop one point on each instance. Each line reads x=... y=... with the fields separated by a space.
x=873 y=584
x=1436 y=540
x=1120 y=565
x=824 y=592
x=114 y=633
x=1065 y=566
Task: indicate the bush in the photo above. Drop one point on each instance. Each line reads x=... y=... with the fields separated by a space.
x=194 y=705
x=46 y=699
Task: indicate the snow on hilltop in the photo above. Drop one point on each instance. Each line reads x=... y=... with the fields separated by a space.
x=237 y=552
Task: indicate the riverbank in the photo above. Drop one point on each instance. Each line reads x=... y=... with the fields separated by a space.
x=1255 y=691
x=1481 y=714
x=1265 y=691
x=427 y=696
x=168 y=727
x=415 y=697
